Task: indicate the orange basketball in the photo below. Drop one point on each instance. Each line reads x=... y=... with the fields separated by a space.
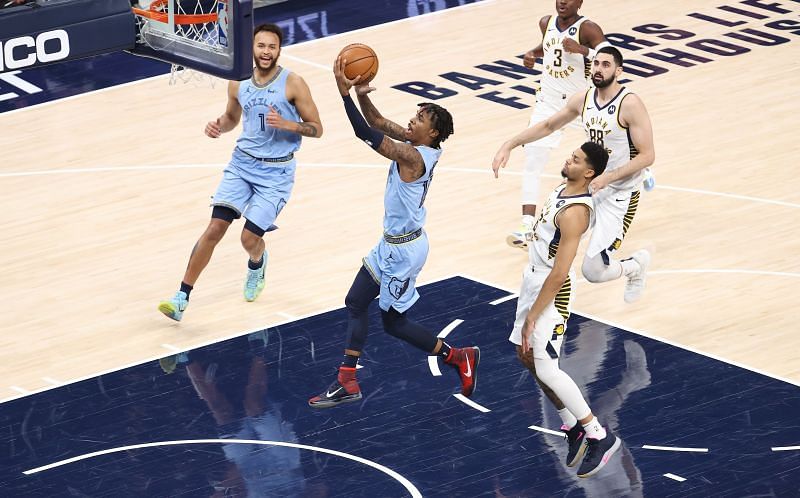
x=361 y=60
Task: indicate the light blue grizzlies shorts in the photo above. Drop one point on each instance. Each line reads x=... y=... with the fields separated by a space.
x=255 y=189
x=395 y=267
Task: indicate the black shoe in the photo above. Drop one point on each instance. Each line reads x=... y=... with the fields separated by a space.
x=598 y=451
x=576 y=440
x=336 y=394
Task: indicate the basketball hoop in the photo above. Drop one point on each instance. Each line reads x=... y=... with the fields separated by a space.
x=202 y=27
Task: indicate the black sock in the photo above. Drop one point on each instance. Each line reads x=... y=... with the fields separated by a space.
x=187 y=289
x=350 y=361
x=445 y=351
x=257 y=265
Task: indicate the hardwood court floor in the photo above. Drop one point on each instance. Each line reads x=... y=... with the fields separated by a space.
x=104 y=196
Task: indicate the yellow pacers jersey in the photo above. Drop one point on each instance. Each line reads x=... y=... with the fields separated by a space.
x=546 y=234
x=564 y=73
x=603 y=127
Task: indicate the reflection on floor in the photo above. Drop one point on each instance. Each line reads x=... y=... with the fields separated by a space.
x=238 y=412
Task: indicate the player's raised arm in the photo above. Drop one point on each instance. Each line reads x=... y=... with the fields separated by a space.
x=374 y=117
x=539 y=130
x=230 y=118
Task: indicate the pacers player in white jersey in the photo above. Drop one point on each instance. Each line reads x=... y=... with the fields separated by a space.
x=278 y=111
x=390 y=270
x=615 y=118
x=568 y=44
x=544 y=303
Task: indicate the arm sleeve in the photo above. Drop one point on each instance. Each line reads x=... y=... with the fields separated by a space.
x=371 y=136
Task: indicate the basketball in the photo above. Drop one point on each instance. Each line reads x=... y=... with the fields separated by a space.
x=361 y=60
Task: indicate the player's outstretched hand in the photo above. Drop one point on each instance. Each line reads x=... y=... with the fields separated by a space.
x=342 y=81
x=529 y=59
x=501 y=158
x=212 y=129
x=599 y=183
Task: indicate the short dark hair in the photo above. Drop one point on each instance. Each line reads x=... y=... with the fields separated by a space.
x=441 y=120
x=614 y=52
x=270 y=28
x=597 y=156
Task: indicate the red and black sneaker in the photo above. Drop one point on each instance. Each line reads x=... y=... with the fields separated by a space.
x=343 y=390
x=465 y=360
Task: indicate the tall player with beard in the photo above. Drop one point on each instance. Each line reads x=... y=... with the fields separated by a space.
x=569 y=41
x=278 y=111
x=615 y=118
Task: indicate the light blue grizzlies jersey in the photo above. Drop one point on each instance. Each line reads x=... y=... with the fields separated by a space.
x=403 y=203
x=258 y=139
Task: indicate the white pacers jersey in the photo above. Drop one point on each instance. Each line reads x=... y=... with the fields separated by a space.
x=546 y=234
x=564 y=73
x=603 y=127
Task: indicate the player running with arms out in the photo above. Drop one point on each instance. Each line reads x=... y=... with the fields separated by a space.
x=278 y=111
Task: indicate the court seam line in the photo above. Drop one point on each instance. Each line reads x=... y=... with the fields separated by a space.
x=386 y=470
x=122 y=85
x=484 y=171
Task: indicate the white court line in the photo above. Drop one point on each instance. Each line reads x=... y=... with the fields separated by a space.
x=480 y=171
x=785 y=448
x=503 y=299
x=674 y=448
x=328 y=68
x=726 y=271
x=399 y=478
x=20 y=390
x=471 y=403
x=171 y=348
x=286 y=315
x=674 y=477
x=546 y=431
x=50 y=380
x=652 y=336
x=446 y=331
x=433 y=364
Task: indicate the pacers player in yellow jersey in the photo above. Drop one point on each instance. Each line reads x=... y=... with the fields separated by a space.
x=544 y=303
x=568 y=44
x=615 y=118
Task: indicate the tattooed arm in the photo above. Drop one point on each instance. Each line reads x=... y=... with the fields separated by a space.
x=298 y=93
x=374 y=117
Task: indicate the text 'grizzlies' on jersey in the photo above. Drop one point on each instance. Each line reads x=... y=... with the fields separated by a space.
x=403 y=202
x=257 y=138
x=546 y=234
x=564 y=73
x=603 y=127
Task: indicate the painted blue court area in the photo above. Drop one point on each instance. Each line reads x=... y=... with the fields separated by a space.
x=231 y=418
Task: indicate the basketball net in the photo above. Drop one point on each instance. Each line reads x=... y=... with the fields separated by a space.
x=170 y=20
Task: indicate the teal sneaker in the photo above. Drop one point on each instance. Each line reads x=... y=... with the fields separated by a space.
x=254 y=283
x=174 y=307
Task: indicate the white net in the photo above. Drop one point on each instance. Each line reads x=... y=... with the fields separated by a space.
x=196 y=29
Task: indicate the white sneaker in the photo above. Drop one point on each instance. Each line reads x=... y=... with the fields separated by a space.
x=636 y=281
x=521 y=237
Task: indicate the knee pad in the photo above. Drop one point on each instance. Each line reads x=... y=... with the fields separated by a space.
x=253 y=228
x=224 y=213
x=593 y=269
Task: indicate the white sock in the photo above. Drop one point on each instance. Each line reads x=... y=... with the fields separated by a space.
x=594 y=430
x=568 y=418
